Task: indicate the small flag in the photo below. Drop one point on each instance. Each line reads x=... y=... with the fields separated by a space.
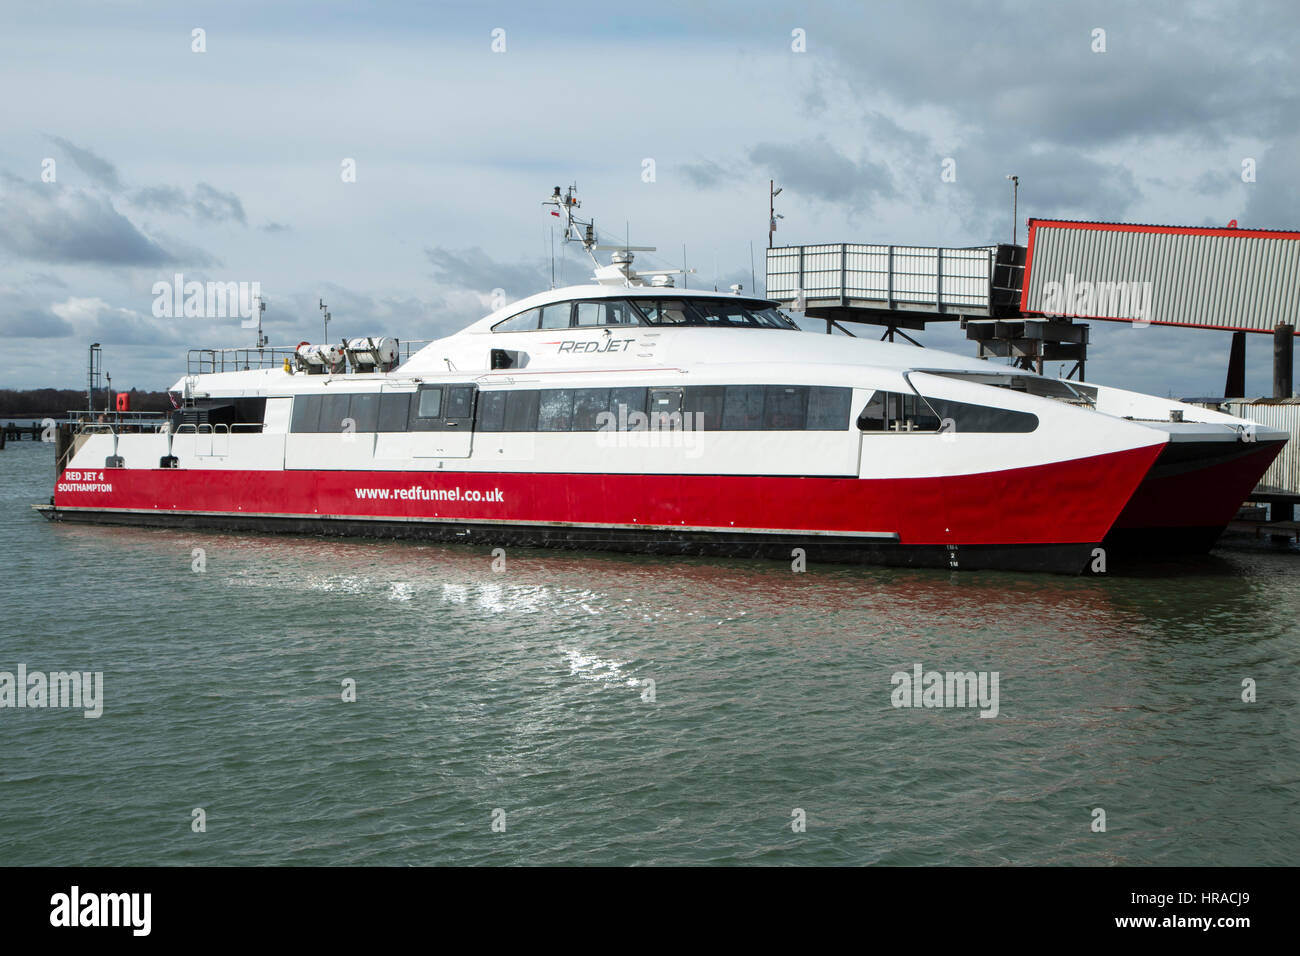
x=555 y=214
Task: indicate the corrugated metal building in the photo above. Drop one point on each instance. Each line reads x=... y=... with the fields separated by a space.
x=1234 y=279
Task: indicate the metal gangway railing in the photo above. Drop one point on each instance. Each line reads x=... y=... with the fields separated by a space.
x=209 y=361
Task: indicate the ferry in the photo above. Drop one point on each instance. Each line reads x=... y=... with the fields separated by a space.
x=628 y=414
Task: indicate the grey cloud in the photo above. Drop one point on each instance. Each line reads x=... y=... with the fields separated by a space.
x=161 y=199
x=817 y=169
x=1028 y=70
x=47 y=279
x=705 y=174
x=31 y=322
x=121 y=327
x=53 y=224
x=360 y=313
x=215 y=206
x=1273 y=200
x=96 y=167
x=276 y=227
x=206 y=204
x=474 y=270
x=1215 y=182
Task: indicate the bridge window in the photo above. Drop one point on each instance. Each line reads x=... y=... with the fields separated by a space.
x=523 y=322
x=605 y=312
x=556 y=316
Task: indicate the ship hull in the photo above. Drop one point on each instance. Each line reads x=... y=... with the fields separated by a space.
x=1188 y=497
x=1049 y=517
x=1071 y=558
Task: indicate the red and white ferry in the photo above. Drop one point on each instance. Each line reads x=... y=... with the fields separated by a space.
x=631 y=415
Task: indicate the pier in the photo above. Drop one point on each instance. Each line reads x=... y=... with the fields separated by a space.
x=17 y=431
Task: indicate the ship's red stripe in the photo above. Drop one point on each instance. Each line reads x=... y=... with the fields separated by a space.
x=1065 y=502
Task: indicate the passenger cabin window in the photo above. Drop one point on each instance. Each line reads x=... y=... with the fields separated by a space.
x=443 y=408
x=629 y=408
x=896 y=412
x=460 y=402
x=713 y=408
x=430 y=402
x=350 y=411
x=394 y=411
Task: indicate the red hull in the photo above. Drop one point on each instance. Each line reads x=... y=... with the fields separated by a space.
x=1047 y=504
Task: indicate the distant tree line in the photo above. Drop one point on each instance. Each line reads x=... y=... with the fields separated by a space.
x=56 y=402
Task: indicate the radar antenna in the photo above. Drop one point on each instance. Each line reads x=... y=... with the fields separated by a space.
x=619 y=271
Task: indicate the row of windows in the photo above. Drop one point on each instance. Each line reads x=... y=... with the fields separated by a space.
x=709 y=407
x=894 y=412
x=719 y=313
x=433 y=408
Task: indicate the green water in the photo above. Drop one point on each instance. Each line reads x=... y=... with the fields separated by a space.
x=524 y=690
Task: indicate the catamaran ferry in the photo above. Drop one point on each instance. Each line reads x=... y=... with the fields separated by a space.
x=631 y=415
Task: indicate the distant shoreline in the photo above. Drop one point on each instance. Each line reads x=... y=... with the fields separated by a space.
x=25 y=404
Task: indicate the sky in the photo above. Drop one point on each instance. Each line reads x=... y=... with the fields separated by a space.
x=130 y=156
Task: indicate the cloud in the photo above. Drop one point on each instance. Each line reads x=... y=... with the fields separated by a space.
x=54 y=224
x=1273 y=201
x=276 y=227
x=705 y=174
x=474 y=270
x=205 y=204
x=96 y=167
x=96 y=319
x=31 y=322
x=819 y=170
x=212 y=205
x=162 y=199
x=45 y=278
